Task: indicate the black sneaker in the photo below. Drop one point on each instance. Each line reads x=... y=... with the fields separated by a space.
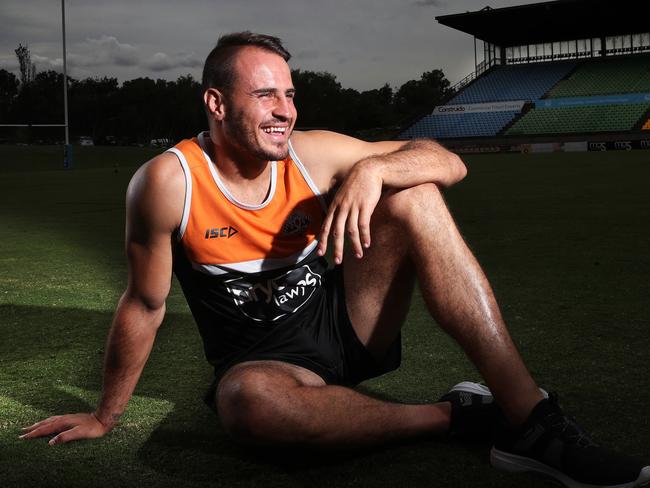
x=551 y=444
x=473 y=412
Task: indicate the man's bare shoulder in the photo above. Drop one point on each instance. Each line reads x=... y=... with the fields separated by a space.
x=156 y=192
x=163 y=170
x=311 y=147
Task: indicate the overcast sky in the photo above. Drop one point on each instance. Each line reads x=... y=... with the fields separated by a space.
x=365 y=43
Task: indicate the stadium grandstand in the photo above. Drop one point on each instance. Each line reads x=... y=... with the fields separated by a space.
x=551 y=72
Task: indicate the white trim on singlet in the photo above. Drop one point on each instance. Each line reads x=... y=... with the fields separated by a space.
x=305 y=174
x=255 y=265
x=224 y=189
x=188 y=190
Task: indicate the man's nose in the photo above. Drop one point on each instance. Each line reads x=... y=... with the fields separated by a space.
x=282 y=107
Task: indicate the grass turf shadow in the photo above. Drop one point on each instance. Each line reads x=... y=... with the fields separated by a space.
x=209 y=455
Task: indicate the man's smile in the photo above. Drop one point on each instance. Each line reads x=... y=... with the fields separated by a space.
x=276 y=132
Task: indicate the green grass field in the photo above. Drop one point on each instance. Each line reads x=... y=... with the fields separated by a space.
x=564 y=239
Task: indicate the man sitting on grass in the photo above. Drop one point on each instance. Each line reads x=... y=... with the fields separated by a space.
x=243 y=214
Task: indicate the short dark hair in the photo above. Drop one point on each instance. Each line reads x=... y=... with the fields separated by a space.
x=217 y=70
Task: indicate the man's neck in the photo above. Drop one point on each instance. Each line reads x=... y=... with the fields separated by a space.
x=248 y=179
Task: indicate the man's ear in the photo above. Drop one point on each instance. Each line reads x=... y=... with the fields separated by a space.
x=214 y=102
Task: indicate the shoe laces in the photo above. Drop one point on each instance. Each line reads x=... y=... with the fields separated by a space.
x=567 y=428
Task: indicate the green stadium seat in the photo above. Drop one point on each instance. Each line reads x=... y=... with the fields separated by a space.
x=597 y=118
x=612 y=75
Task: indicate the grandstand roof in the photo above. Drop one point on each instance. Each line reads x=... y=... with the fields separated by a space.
x=552 y=21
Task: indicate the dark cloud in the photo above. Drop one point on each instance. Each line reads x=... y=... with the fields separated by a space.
x=44 y=63
x=307 y=54
x=105 y=52
x=107 y=49
x=430 y=3
x=9 y=62
x=164 y=62
x=28 y=24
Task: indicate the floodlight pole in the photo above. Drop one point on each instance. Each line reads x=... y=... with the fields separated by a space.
x=67 y=154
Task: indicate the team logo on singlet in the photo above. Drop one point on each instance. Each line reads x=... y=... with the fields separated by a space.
x=296 y=223
x=273 y=298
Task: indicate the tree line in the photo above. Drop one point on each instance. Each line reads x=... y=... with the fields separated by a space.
x=141 y=110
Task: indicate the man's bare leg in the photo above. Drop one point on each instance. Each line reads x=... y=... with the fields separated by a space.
x=275 y=403
x=413 y=233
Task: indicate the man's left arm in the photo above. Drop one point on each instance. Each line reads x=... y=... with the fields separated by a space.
x=413 y=163
x=363 y=169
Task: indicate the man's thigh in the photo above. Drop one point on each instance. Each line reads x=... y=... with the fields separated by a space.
x=379 y=286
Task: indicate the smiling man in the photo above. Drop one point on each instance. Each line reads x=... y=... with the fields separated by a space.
x=243 y=215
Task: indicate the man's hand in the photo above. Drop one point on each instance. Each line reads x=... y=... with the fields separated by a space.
x=67 y=428
x=350 y=211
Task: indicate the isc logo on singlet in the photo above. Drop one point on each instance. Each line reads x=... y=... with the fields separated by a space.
x=217 y=232
x=271 y=299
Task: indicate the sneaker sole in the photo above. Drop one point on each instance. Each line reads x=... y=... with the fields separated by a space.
x=469 y=387
x=481 y=389
x=519 y=464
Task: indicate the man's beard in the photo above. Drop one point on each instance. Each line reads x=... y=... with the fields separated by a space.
x=245 y=139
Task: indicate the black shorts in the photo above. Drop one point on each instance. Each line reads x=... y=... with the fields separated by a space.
x=320 y=338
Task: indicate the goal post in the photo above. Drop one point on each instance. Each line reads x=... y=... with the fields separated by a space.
x=67 y=151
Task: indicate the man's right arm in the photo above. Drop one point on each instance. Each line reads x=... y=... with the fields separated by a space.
x=154 y=206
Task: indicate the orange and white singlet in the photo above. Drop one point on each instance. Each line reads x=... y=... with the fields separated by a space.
x=246 y=268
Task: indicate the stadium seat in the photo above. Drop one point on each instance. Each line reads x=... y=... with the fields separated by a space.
x=459 y=125
x=612 y=75
x=615 y=75
x=514 y=82
x=597 y=118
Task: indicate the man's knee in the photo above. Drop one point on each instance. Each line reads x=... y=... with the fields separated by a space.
x=241 y=399
x=258 y=403
x=410 y=204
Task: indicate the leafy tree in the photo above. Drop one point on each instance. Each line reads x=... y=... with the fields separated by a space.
x=27 y=68
x=47 y=97
x=318 y=98
x=184 y=115
x=416 y=98
x=8 y=93
x=139 y=109
x=375 y=108
x=41 y=100
x=94 y=106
